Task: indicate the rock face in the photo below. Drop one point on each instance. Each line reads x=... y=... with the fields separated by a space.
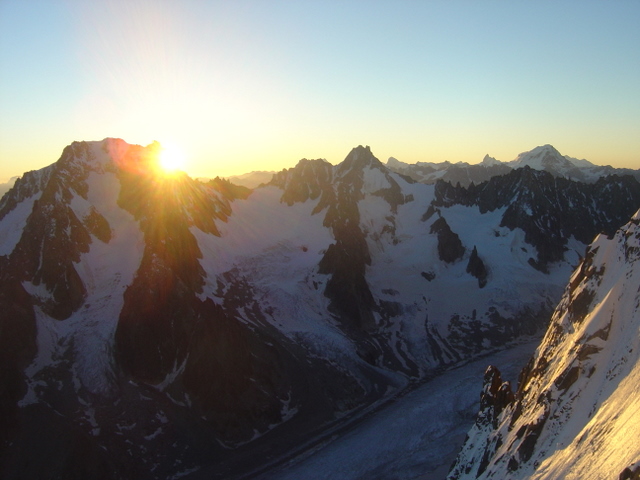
x=575 y=411
x=548 y=209
x=477 y=268
x=153 y=325
x=450 y=247
x=346 y=259
x=307 y=181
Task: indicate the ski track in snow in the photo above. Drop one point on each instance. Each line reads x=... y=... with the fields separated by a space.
x=417 y=436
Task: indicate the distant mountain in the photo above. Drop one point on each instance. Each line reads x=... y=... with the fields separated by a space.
x=5 y=187
x=575 y=413
x=545 y=158
x=252 y=179
x=158 y=327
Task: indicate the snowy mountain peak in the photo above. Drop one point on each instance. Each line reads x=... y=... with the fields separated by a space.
x=109 y=155
x=545 y=157
x=106 y=154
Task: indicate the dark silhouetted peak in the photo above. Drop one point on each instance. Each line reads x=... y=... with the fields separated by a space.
x=307 y=180
x=359 y=158
x=450 y=247
x=477 y=268
x=489 y=161
x=347 y=258
x=30 y=184
x=496 y=395
x=228 y=189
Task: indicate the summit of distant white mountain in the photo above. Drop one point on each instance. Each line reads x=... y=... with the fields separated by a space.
x=545 y=157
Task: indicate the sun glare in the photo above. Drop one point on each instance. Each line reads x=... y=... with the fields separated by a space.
x=171 y=159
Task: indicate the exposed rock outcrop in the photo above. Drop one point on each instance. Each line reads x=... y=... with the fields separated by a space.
x=548 y=209
x=477 y=268
x=450 y=247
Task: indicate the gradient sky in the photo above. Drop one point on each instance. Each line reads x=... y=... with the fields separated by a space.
x=258 y=84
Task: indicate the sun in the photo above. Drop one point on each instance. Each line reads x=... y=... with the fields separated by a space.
x=171 y=159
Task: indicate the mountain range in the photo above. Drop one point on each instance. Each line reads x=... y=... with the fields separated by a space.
x=251 y=179
x=545 y=158
x=163 y=327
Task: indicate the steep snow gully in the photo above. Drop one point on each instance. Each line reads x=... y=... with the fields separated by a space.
x=156 y=326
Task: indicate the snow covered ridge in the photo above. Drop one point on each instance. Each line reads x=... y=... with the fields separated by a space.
x=544 y=158
x=576 y=411
x=206 y=325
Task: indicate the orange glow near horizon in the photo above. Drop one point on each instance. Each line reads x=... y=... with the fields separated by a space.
x=171 y=159
x=226 y=83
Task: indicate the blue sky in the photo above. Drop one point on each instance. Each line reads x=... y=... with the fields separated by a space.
x=257 y=85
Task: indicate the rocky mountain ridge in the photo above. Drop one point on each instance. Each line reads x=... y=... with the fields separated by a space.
x=574 y=414
x=545 y=158
x=194 y=324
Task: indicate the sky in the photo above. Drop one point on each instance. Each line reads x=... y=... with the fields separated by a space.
x=259 y=84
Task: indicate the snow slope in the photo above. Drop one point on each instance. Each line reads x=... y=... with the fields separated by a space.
x=577 y=413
